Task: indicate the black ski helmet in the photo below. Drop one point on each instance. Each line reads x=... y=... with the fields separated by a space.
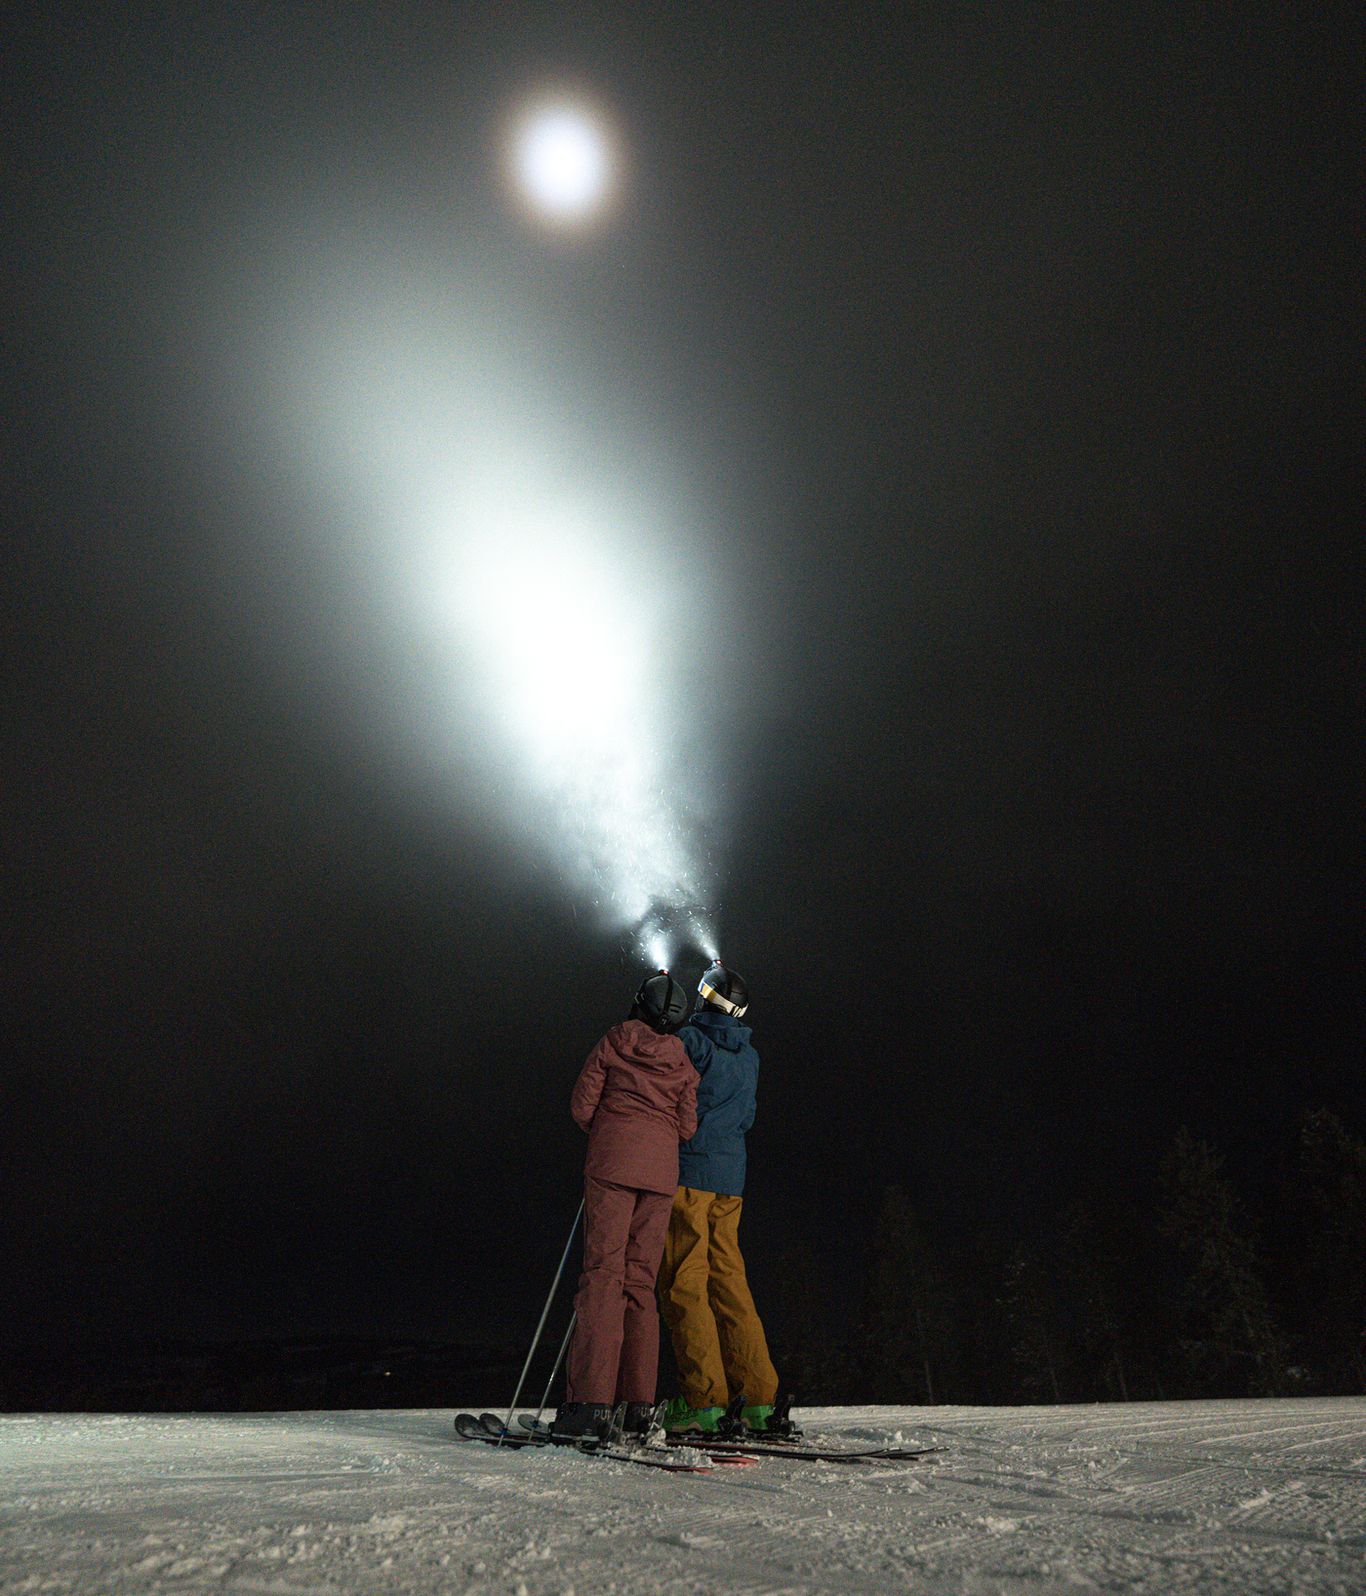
x=661 y=1002
x=723 y=990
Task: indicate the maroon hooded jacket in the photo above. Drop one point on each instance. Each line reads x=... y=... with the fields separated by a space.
x=637 y=1099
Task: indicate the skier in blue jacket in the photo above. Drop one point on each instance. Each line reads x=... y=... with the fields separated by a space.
x=718 y=1339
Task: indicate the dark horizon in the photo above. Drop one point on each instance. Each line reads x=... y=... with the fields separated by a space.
x=977 y=394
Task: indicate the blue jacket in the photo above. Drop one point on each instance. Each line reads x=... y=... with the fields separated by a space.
x=719 y=1047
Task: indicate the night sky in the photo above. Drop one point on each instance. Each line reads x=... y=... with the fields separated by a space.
x=980 y=385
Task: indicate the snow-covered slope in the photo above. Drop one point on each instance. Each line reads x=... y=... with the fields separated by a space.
x=1228 y=1497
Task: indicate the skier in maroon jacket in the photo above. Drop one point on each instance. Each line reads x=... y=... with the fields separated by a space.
x=637 y=1099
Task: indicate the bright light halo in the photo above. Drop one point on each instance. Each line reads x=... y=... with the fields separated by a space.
x=563 y=162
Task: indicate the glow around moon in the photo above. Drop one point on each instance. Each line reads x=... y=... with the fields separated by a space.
x=563 y=162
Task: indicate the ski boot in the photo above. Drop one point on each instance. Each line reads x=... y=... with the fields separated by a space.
x=680 y=1418
x=772 y=1422
x=583 y=1421
x=641 y=1420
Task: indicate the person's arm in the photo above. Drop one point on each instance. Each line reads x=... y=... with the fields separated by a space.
x=687 y=1108
x=748 y=1121
x=695 y=1046
x=583 y=1104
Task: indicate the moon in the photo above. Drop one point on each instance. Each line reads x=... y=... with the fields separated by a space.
x=563 y=162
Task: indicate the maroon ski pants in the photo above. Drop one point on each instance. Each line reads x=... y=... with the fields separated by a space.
x=614 y=1356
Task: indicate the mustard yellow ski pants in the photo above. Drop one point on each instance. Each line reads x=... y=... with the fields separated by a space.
x=704 y=1296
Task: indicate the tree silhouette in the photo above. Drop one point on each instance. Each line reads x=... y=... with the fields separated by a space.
x=1093 y=1267
x=909 y=1334
x=1103 y=1302
x=814 y=1355
x=1029 y=1307
x=1332 y=1213
x=1231 y=1342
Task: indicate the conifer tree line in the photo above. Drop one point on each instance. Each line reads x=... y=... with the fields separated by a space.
x=1184 y=1297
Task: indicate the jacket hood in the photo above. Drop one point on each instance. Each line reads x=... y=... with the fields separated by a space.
x=723 y=1030
x=643 y=1045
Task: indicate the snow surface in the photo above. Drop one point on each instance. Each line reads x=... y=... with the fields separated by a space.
x=1244 y=1497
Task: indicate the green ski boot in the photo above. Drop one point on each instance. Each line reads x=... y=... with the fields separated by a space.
x=773 y=1423
x=682 y=1419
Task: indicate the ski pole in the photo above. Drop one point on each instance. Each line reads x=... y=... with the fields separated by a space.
x=545 y=1312
x=559 y=1359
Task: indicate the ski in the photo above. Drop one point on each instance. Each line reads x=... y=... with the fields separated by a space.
x=803 y=1454
x=721 y=1447
x=469 y=1428
x=739 y=1458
